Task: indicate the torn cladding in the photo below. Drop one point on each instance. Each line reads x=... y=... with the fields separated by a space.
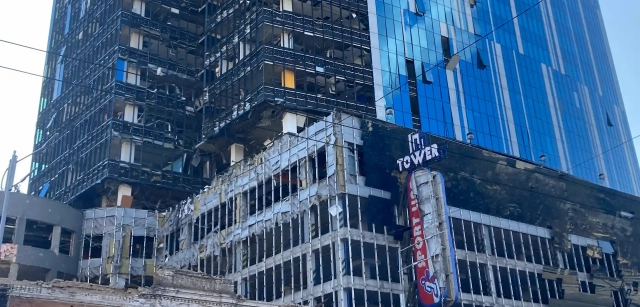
x=249 y=174
x=303 y=172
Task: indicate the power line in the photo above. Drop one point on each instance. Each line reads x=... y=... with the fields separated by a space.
x=464 y=48
x=271 y=130
x=383 y=96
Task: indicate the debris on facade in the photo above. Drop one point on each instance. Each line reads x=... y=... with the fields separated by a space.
x=314 y=218
x=173 y=288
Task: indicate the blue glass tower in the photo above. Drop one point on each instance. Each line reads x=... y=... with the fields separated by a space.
x=542 y=86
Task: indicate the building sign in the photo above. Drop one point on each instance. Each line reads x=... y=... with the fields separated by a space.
x=428 y=290
x=433 y=253
x=421 y=152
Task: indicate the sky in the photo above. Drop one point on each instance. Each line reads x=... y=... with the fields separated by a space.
x=20 y=93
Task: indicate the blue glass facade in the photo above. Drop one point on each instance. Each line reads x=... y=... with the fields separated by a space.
x=543 y=84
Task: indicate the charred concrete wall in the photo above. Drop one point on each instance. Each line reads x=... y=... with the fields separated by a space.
x=503 y=186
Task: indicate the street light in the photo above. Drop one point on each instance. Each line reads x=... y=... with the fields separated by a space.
x=27 y=156
x=11 y=171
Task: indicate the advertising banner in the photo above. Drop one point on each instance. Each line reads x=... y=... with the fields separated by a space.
x=433 y=254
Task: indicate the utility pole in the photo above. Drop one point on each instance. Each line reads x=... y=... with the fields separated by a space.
x=7 y=193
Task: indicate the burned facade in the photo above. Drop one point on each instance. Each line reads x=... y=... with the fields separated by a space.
x=321 y=216
x=117 y=123
x=239 y=138
x=265 y=57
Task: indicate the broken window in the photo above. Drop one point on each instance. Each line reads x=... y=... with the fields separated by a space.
x=427 y=75
x=458 y=236
x=413 y=92
x=92 y=247
x=9 y=230
x=320 y=164
x=38 y=234
x=481 y=59
x=446 y=48
x=142 y=247
x=66 y=241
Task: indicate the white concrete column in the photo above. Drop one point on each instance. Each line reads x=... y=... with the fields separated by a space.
x=286 y=5
x=127 y=151
x=55 y=239
x=242 y=50
x=306 y=231
x=139 y=7
x=238 y=256
x=13 y=271
x=123 y=190
x=18 y=234
x=135 y=39
x=51 y=275
x=130 y=113
x=237 y=153
x=291 y=122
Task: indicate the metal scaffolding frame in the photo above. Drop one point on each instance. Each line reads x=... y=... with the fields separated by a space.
x=118 y=246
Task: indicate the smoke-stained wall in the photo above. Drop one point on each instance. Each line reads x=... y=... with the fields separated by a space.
x=508 y=187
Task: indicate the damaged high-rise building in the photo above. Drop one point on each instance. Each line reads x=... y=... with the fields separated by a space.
x=325 y=216
x=117 y=122
x=264 y=122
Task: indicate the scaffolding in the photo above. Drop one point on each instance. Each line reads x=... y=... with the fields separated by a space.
x=117 y=112
x=118 y=247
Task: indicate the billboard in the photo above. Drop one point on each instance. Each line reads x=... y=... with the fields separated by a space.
x=434 y=259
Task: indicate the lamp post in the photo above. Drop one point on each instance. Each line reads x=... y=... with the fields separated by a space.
x=7 y=194
x=11 y=172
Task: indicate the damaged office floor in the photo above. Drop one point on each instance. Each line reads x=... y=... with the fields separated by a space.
x=302 y=222
x=300 y=206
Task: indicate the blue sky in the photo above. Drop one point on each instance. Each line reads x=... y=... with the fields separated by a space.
x=27 y=23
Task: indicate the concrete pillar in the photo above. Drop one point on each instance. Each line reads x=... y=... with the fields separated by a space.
x=291 y=122
x=243 y=50
x=238 y=256
x=135 y=39
x=306 y=231
x=127 y=151
x=131 y=113
x=117 y=281
x=51 y=275
x=286 y=5
x=18 y=235
x=124 y=190
x=139 y=7
x=237 y=153
x=13 y=271
x=55 y=239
